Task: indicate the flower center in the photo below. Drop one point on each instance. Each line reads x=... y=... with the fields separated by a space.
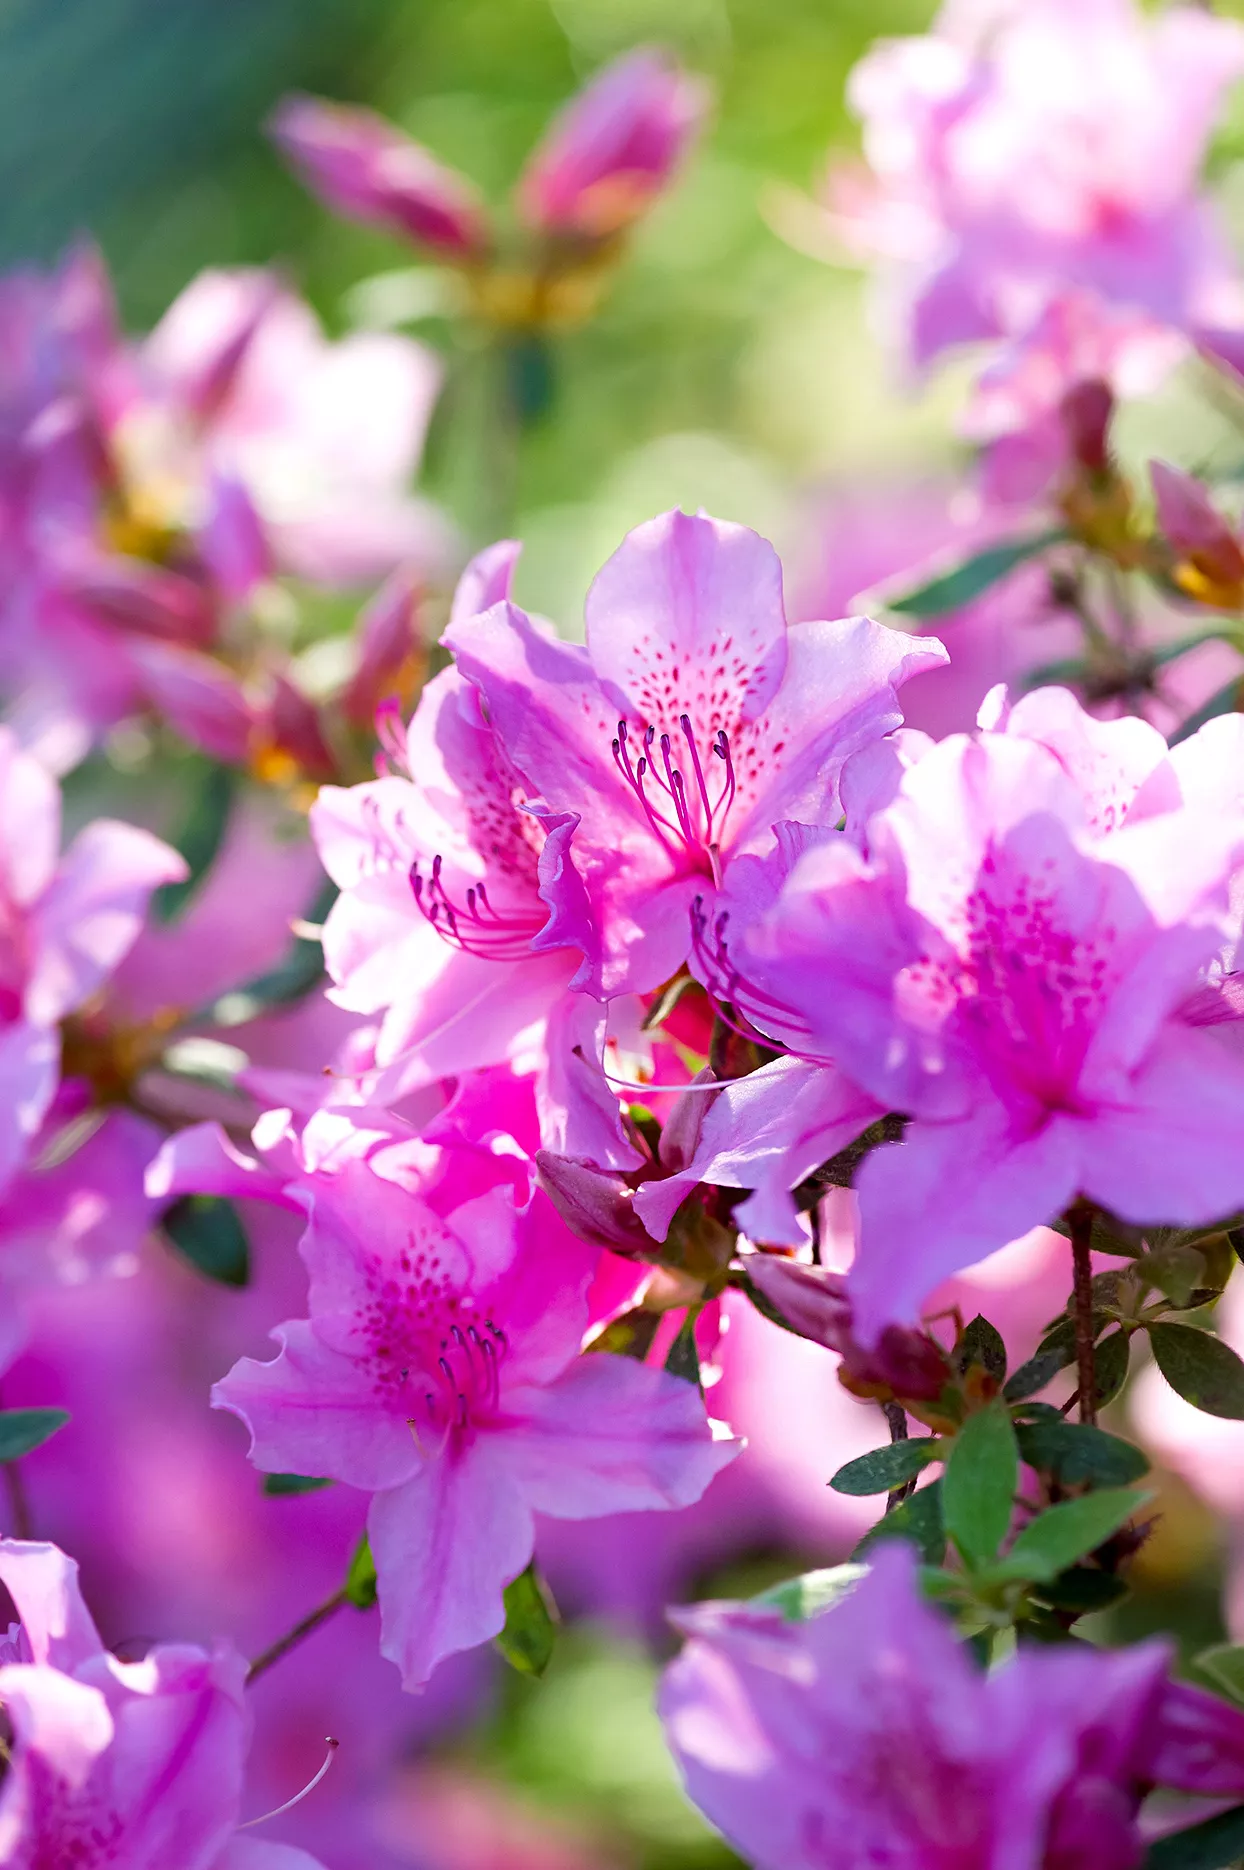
x=456 y=1387
x=683 y=817
x=474 y=925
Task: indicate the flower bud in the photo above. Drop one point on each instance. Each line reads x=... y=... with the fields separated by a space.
x=1212 y=561
x=814 y=1303
x=613 y=149
x=595 y=1205
x=366 y=169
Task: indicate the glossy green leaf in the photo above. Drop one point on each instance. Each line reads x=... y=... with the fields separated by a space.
x=813 y=1591
x=24 y=1430
x=1061 y=1535
x=918 y=1519
x=982 y=1344
x=530 y=1630
x=953 y=590
x=1224 y=1664
x=1037 y=1372
x=978 y=1487
x=1200 y=1368
x=206 y=1230
x=885 y=1468
x=278 y=1486
x=360 y=1584
x=1110 y=1361
x=1215 y=1844
x=1077 y=1453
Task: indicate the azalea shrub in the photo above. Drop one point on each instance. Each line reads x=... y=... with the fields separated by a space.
x=620 y=1234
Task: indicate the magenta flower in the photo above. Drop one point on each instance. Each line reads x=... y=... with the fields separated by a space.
x=1010 y=153
x=692 y=722
x=613 y=149
x=1006 y=962
x=867 y=1735
x=134 y=1763
x=440 y=1372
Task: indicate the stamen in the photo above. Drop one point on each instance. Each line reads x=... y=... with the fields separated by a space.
x=684 y=721
x=298 y=1797
x=476 y=928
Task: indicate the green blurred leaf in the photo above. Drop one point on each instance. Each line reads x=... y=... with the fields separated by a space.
x=530 y=1630
x=298 y=972
x=885 y=1468
x=1077 y=1453
x=918 y=1519
x=978 y=1487
x=683 y=1359
x=1224 y=1664
x=1200 y=1368
x=24 y=1430
x=360 y=1583
x=982 y=1344
x=276 y=1486
x=813 y=1591
x=628 y=1335
x=1064 y=1533
x=1110 y=1362
x=1225 y=700
x=1215 y=1844
x=1176 y=1270
x=1082 y=1589
x=206 y=1230
x=957 y=588
x=198 y=837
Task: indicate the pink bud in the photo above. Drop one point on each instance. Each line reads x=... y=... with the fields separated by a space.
x=367 y=170
x=386 y=641
x=199 y=697
x=139 y=598
x=293 y=727
x=613 y=149
x=814 y=1303
x=595 y=1205
x=232 y=541
x=1194 y=528
x=1086 y=410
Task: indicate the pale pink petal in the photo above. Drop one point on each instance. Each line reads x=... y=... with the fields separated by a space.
x=201 y=1160
x=1171 y=1150
x=29 y=1068
x=43 y=1584
x=30 y=813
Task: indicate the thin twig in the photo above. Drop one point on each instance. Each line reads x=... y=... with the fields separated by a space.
x=896 y=1416
x=19 y=1501
x=1080 y=1220
x=293 y=1637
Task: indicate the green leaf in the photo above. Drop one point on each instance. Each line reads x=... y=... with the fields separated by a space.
x=1077 y=1453
x=1175 y=1270
x=1082 y=1589
x=1037 y=1372
x=360 y=1584
x=1225 y=700
x=1214 y=1844
x=206 y=1230
x=1110 y=1361
x=198 y=837
x=814 y=1591
x=299 y=970
x=885 y=1468
x=982 y=1344
x=955 y=589
x=978 y=1487
x=276 y=1486
x=530 y=1630
x=628 y=1335
x=918 y=1520
x=1224 y=1664
x=1064 y=1533
x=1200 y=1368
x=24 y=1430
x=684 y=1358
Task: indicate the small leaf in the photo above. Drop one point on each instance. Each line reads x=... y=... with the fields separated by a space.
x=1110 y=1361
x=1037 y=1372
x=1176 y=1271
x=1215 y=1844
x=1224 y=1664
x=885 y=1468
x=206 y=1230
x=1069 y=1531
x=24 y=1430
x=684 y=1358
x=530 y=1631
x=978 y=1487
x=1200 y=1368
x=199 y=836
x=814 y=1591
x=628 y=1335
x=277 y=1486
x=957 y=588
x=1225 y=700
x=360 y=1584
x=981 y=1344
x=1082 y=1589
x=1077 y=1453
x=918 y=1519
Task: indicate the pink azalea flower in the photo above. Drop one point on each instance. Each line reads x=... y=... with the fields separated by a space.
x=1044 y=143
x=613 y=149
x=694 y=719
x=1010 y=955
x=66 y=922
x=133 y=1762
x=439 y=1371
x=868 y=1735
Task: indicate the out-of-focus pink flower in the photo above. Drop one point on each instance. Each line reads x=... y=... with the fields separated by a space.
x=366 y=169
x=868 y=1735
x=133 y=1762
x=1048 y=143
x=1009 y=959
x=613 y=148
x=693 y=721
x=439 y=1371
